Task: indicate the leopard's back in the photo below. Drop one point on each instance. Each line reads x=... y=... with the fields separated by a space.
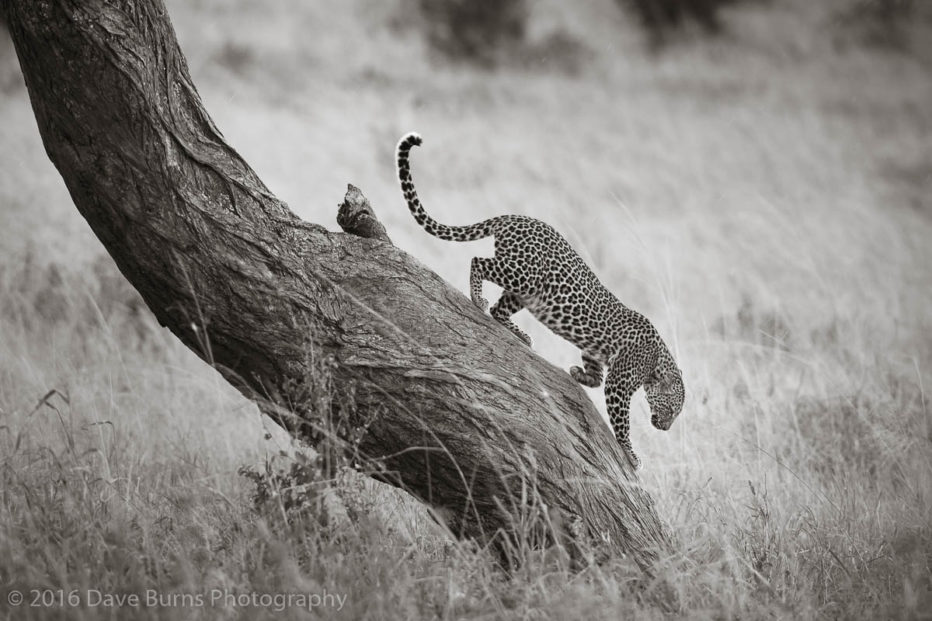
x=558 y=287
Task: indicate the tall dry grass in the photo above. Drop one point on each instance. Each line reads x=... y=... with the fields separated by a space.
x=762 y=197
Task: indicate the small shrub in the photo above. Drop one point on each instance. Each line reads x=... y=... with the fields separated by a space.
x=321 y=484
x=557 y=51
x=879 y=23
x=661 y=18
x=236 y=57
x=295 y=494
x=475 y=31
x=755 y=326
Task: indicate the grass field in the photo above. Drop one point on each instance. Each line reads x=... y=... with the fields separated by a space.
x=764 y=197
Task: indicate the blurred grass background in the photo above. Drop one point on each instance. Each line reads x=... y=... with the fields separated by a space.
x=760 y=190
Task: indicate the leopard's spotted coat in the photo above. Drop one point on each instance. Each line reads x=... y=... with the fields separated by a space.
x=540 y=271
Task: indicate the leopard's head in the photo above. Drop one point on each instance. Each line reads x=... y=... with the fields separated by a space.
x=665 y=391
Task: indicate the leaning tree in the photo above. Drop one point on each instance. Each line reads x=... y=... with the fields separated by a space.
x=455 y=410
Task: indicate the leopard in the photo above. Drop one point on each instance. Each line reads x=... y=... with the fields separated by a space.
x=539 y=270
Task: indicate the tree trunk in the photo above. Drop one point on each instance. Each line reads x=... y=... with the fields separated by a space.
x=457 y=410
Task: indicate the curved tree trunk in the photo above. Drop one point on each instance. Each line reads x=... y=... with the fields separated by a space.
x=459 y=412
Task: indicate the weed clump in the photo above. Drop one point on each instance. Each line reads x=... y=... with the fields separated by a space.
x=661 y=19
x=474 y=31
x=879 y=23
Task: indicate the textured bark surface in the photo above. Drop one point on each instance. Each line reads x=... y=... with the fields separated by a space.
x=462 y=414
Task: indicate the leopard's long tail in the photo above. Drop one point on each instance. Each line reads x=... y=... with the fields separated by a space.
x=451 y=233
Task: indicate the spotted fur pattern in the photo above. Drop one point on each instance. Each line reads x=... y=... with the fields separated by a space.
x=538 y=270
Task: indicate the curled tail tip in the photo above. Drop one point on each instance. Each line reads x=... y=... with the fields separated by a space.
x=411 y=139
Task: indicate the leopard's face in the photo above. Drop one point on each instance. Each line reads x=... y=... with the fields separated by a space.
x=665 y=393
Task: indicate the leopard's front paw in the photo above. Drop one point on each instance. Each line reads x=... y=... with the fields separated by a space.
x=632 y=458
x=524 y=337
x=580 y=375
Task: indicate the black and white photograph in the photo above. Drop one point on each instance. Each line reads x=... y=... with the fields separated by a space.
x=465 y=309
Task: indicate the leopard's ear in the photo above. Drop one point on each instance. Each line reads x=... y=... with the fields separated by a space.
x=655 y=375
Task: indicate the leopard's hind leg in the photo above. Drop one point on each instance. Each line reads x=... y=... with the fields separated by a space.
x=510 y=270
x=503 y=272
x=478 y=271
x=508 y=305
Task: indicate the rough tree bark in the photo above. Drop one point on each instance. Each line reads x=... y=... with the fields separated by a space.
x=460 y=412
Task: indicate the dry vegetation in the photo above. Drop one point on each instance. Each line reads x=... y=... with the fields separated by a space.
x=763 y=197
